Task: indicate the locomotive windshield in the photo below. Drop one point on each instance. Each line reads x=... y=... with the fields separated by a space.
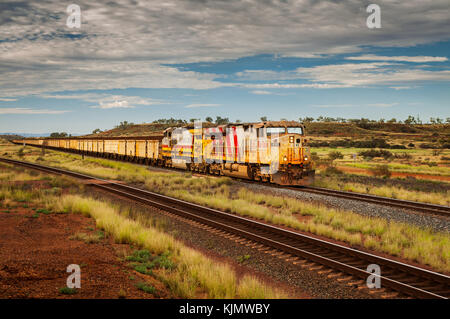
x=295 y=130
x=276 y=130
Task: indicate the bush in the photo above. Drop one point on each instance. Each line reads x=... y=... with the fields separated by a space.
x=426 y=145
x=381 y=171
x=314 y=156
x=332 y=171
x=376 y=153
x=404 y=156
x=67 y=291
x=335 y=155
x=20 y=152
x=398 y=146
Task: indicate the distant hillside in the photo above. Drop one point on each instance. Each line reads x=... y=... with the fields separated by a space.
x=6 y=136
x=24 y=134
x=316 y=129
x=367 y=129
x=146 y=129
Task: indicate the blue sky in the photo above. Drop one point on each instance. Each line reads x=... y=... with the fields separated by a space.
x=241 y=60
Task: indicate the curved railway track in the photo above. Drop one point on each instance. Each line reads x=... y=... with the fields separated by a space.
x=426 y=208
x=401 y=277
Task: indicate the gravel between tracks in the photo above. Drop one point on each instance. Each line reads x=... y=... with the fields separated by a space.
x=299 y=282
x=359 y=207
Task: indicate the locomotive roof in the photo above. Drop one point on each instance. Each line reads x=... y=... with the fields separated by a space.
x=254 y=124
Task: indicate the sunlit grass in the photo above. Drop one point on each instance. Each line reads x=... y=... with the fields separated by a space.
x=440 y=198
x=193 y=271
x=406 y=168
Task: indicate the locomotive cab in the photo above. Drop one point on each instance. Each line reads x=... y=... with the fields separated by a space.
x=295 y=166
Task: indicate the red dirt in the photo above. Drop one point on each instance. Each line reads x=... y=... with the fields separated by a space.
x=357 y=170
x=34 y=254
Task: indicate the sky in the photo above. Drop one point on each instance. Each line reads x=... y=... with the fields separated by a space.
x=139 y=61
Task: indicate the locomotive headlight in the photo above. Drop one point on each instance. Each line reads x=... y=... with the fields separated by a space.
x=285 y=158
x=306 y=158
x=291 y=139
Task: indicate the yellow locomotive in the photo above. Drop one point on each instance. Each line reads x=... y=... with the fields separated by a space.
x=272 y=151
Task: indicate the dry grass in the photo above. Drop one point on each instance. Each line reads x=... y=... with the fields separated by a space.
x=421 y=245
x=441 y=198
x=87 y=238
x=406 y=168
x=193 y=271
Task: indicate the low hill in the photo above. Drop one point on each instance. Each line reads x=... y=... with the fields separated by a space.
x=315 y=129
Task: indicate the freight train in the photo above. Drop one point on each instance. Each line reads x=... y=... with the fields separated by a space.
x=271 y=151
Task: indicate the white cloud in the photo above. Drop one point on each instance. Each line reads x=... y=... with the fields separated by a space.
x=201 y=105
x=367 y=74
x=20 y=110
x=416 y=59
x=261 y=92
x=114 y=105
x=3 y=99
x=333 y=105
x=107 y=101
x=123 y=44
x=382 y=104
x=354 y=105
x=293 y=86
x=401 y=87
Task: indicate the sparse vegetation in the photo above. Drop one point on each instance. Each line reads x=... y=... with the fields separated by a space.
x=67 y=291
x=381 y=171
x=87 y=238
x=146 y=287
x=192 y=270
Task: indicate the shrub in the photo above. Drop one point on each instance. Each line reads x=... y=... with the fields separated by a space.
x=376 y=153
x=437 y=152
x=335 y=155
x=404 y=156
x=147 y=288
x=381 y=171
x=398 y=147
x=331 y=170
x=426 y=145
x=67 y=291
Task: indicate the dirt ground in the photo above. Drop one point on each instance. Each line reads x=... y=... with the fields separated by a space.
x=35 y=252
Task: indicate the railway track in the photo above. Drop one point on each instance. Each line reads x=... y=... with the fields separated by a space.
x=432 y=209
x=406 y=279
x=425 y=208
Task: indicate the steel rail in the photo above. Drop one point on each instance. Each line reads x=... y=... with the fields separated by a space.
x=405 y=278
